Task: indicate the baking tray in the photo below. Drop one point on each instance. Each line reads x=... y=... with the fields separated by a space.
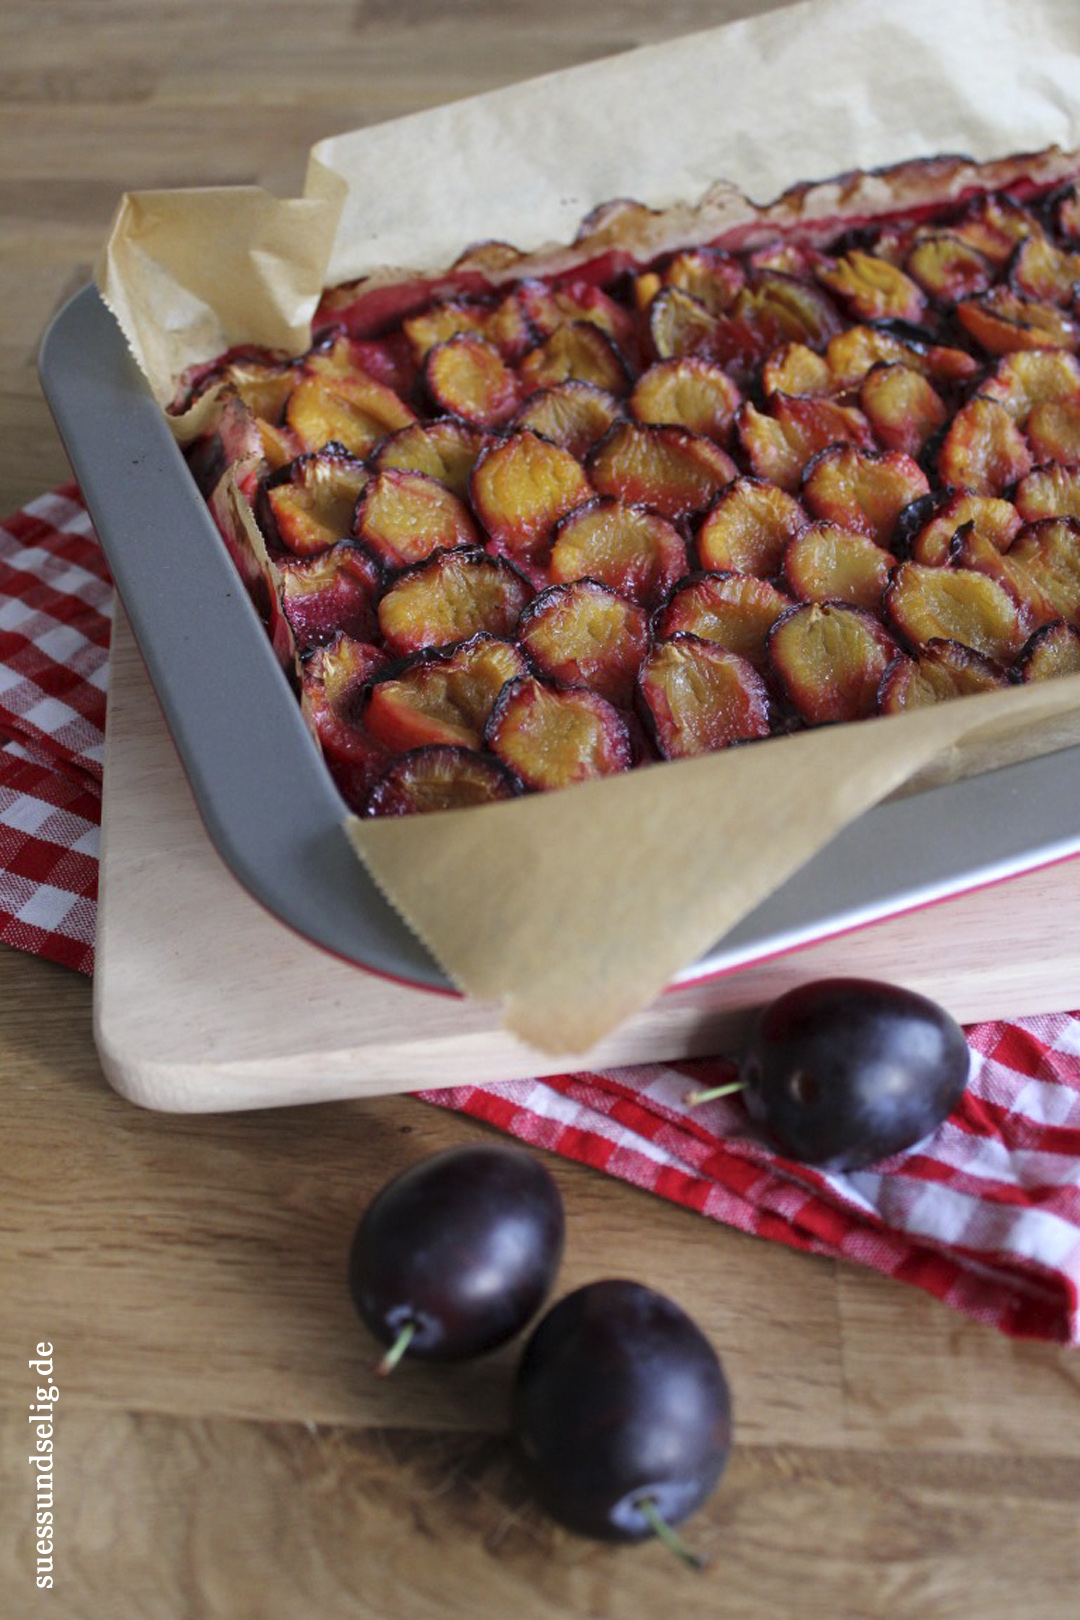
x=272 y=810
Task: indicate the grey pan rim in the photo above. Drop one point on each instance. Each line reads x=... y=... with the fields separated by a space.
x=269 y=806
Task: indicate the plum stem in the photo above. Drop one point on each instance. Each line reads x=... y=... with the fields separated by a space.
x=666 y=1533
x=397 y=1349
x=710 y=1093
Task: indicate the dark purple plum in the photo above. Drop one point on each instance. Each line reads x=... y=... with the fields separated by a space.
x=457 y=1253
x=843 y=1072
x=621 y=1412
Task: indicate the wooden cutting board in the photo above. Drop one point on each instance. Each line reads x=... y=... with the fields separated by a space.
x=205 y=1002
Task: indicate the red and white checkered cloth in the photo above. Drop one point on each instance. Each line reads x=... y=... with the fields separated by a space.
x=985 y=1216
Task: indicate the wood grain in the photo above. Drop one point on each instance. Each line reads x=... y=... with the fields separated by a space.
x=223 y=1449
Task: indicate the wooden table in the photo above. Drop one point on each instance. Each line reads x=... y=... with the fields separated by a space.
x=222 y=1447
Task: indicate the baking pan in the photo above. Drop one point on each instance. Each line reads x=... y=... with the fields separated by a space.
x=272 y=810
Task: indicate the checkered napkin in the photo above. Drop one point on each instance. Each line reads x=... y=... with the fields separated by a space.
x=985 y=1216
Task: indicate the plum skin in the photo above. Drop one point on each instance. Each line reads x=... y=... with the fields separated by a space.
x=844 y=1072
x=464 y=1245
x=620 y=1397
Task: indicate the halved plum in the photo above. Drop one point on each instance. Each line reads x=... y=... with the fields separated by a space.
x=552 y=736
x=1030 y=377
x=468 y=377
x=748 y=528
x=955 y=604
x=577 y=351
x=445 y=449
x=670 y=469
x=779 y=443
x=574 y=415
x=441 y=695
x=1048 y=492
x=691 y=393
x=309 y=505
x=332 y=592
x=1053 y=650
x=699 y=698
x=1050 y=551
x=631 y=549
x=333 y=685
x=990 y=516
x=903 y=407
x=449 y=597
x=872 y=289
x=346 y=408
x=947 y=267
x=585 y=634
x=439 y=777
x=737 y=611
x=829 y=563
x=406 y=516
x=1001 y=321
x=829 y=658
x=983 y=449
x=862 y=489
x=941 y=671
x=521 y=486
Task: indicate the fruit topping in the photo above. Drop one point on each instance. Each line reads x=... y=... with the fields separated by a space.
x=737 y=611
x=955 y=604
x=780 y=442
x=830 y=658
x=439 y=778
x=1002 y=321
x=902 y=406
x=350 y=409
x=450 y=597
x=310 y=504
x=1050 y=550
x=334 y=591
x=621 y=1413
x=630 y=548
x=995 y=520
x=1048 y=492
x=441 y=695
x=445 y=449
x=940 y=671
x=698 y=697
x=749 y=526
x=1031 y=377
x=872 y=289
x=827 y=563
x=551 y=736
x=691 y=393
x=575 y=415
x=862 y=489
x=333 y=685
x=671 y=470
x=468 y=377
x=843 y=1073
x=457 y=1253
x=405 y=516
x=585 y=634
x=983 y=449
x=521 y=486
x=576 y=352
x=1054 y=649
x=948 y=268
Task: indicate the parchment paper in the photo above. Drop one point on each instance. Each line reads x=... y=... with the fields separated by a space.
x=575 y=909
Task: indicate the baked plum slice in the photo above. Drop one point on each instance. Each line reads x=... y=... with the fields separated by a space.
x=442 y=695
x=697 y=697
x=1052 y=650
x=955 y=604
x=689 y=392
x=983 y=450
x=445 y=449
x=780 y=442
x=903 y=407
x=333 y=685
x=574 y=415
x=310 y=504
x=577 y=351
x=828 y=563
x=1048 y=492
x=407 y=516
x=948 y=268
x=585 y=634
x=736 y=611
x=437 y=777
x=871 y=288
x=862 y=489
x=1050 y=551
x=450 y=597
x=990 y=517
x=940 y=671
x=552 y=736
x=1002 y=320
x=1031 y=377
x=631 y=549
x=346 y=408
x=521 y=486
x=829 y=658
x=333 y=592
x=1041 y=270
x=468 y=377
x=748 y=528
x=667 y=468
x=852 y=354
